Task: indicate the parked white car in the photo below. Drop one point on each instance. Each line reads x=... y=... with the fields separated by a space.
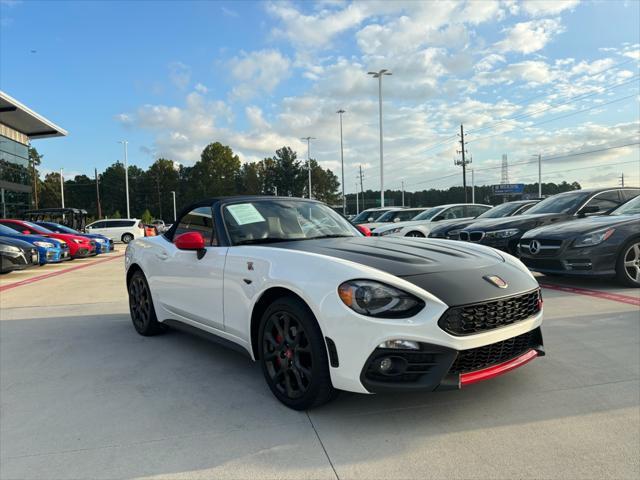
x=394 y=216
x=119 y=230
x=296 y=287
x=421 y=225
x=370 y=214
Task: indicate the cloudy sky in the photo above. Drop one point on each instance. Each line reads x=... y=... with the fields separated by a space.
x=559 y=78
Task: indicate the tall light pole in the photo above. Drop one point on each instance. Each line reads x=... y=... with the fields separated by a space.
x=344 y=201
x=308 y=139
x=62 y=188
x=126 y=174
x=173 y=194
x=379 y=74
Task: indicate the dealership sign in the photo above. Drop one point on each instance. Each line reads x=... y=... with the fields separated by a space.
x=508 y=189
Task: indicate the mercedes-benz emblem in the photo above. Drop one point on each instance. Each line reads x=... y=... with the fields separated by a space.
x=534 y=247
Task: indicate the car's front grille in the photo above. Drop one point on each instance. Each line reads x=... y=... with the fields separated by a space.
x=480 y=317
x=541 y=248
x=482 y=357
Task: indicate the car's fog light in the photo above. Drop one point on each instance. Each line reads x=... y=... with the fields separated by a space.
x=385 y=365
x=400 y=345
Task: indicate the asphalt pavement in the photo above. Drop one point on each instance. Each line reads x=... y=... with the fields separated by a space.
x=83 y=396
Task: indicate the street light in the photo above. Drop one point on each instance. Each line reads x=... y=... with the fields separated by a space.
x=308 y=139
x=126 y=174
x=379 y=74
x=62 y=188
x=344 y=200
x=173 y=193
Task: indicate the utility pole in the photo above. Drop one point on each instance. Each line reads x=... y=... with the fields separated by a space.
x=98 y=194
x=464 y=162
x=126 y=174
x=173 y=193
x=62 y=188
x=308 y=139
x=473 y=187
x=379 y=74
x=344 y=200
x=622 y=180
x=361 y=177
x=403 y=193
x=357 y=200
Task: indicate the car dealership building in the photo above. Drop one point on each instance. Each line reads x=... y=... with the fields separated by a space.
x=18 y=126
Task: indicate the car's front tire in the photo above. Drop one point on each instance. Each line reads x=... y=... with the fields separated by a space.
x=628 y=264
x=293 y=355
x=143 y=315
x=415 y=234
x=126 y=238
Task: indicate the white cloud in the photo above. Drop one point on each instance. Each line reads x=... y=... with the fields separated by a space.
x=179 y=74
x=529 y=37
x=539 y=8
x=258 y=72
x=229 y=12
x=200 y=88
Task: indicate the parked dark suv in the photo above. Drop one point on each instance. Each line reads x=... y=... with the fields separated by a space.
x=505 y=233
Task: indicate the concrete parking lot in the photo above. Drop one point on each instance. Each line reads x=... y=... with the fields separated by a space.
x=83 y=396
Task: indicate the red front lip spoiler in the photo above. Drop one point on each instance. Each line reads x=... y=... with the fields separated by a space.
x=497 y=370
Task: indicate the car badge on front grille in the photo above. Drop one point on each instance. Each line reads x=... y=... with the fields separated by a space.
x=496 y=281
x=534 y=247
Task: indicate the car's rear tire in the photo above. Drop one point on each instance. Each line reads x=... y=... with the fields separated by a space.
x=126 y=238
x=293 y=355
x=628 y=264
x=143 y=315
x=415 y=234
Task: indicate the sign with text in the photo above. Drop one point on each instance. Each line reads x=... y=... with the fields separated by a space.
x=508 y=189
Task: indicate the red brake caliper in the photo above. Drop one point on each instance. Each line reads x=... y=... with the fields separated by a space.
x=279 y=339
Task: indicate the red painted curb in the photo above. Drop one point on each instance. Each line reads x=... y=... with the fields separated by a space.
x=29 y=281
x=615 y=297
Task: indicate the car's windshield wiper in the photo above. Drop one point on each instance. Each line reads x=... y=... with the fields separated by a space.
x=337 y=235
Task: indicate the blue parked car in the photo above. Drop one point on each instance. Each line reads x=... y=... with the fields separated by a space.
x=50 y=250
x=103 y=244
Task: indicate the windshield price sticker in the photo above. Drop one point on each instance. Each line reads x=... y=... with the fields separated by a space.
x=245 y=213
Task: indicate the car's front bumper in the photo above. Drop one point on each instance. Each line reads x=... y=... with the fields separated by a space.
x=599 y=260
x=357 y=339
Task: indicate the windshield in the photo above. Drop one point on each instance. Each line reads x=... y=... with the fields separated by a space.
x=57 y=227
x=4 y=230
x=428 y=214
x=368 y=216
x=40 y=228
x=269 y=221
x=388 y=217
x=564 y=203
x=503 y=210
x=632 y=207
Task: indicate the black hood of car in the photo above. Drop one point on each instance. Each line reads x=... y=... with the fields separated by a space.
x=582 y=226
x=452 y=271
x=525 y=221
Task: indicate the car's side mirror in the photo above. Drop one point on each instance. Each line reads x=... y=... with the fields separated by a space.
x=364 y=230
x=589 y=209
x=191 y=241
x=438 y=218
x=26 y=232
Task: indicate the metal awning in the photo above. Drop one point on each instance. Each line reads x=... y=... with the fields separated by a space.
x=24 y=120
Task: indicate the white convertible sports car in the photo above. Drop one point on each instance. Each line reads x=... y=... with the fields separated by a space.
x=323 y=308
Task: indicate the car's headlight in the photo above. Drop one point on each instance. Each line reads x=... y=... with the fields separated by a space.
x=376 y=299
x=100 y=240
x=391 y=231
x=507 y=233
x=43 y=244
x=9 y=249
x=77 y=240
x=594 y=238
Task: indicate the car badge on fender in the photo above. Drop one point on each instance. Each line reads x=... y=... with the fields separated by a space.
x=249 y=265
x=496 y=281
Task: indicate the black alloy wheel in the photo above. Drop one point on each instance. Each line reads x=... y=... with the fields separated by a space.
x=628 y=267
x=127 y=237
x=141 y=308
x=293 y=355
x=415 y=234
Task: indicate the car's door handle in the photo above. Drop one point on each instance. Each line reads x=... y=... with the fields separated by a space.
x=162 y=255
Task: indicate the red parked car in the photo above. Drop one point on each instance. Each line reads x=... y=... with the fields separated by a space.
x=79 y=247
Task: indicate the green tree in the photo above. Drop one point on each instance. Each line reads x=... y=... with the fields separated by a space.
x=216 y=173
x=146 y=216
x=289 y=176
